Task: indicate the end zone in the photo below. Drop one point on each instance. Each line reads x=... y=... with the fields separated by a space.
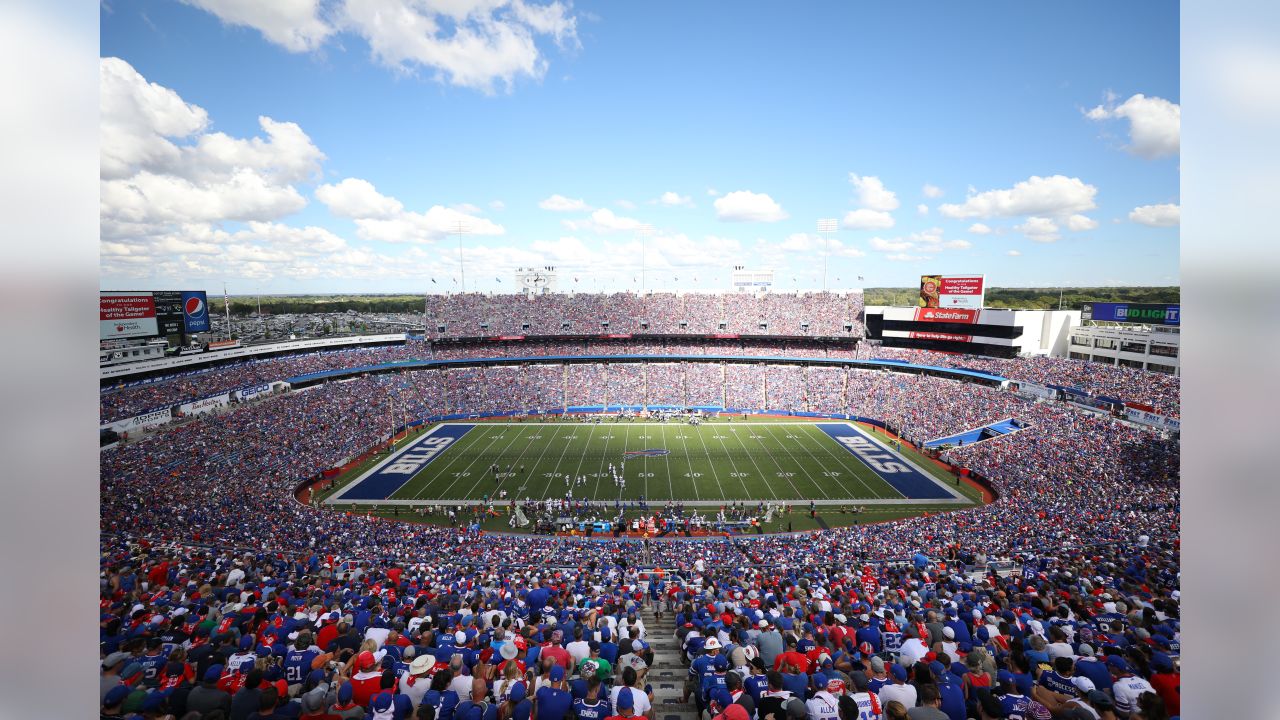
x=387 y=477
x=900 y=473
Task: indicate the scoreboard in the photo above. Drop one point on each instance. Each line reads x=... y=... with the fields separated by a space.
x=144 y=314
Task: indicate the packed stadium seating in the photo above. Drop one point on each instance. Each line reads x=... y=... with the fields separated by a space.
x=208 y=561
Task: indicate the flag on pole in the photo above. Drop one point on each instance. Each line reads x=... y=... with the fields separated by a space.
x=860 y=277
x=498 y=279
x=433 y=281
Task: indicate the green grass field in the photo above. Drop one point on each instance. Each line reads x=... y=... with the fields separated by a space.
x=713 y=463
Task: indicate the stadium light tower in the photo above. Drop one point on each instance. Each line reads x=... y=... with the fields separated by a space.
x=461 y=229
x=643 y=231
x=826 y=226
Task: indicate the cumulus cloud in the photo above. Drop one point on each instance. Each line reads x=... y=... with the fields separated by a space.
x=865 y=219
x=161 y=168
x=357 y=198
x=1039 y=229
x=1155 y=124
x=930 y=241
x=922 y=209
x=1166 y=215
x=979 y=229
x=1080 y=223
x=295 y=25
x=673 y=199
x=384 y=219
x=560 y=203
x=870 y=193
x=932 y=192
x=604 y=221
x=1056 y=195
x=470 y=43
x=905 y=257
x=747 y=206
x=1014 y=253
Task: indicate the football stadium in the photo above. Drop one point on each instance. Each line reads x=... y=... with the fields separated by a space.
x=551 y=458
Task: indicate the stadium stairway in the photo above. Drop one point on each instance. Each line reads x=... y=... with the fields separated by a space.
x=667 y=674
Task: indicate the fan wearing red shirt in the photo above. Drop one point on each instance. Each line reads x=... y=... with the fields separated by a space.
x=367 y=680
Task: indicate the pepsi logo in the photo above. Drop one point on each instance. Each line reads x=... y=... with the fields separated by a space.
x=194 y=306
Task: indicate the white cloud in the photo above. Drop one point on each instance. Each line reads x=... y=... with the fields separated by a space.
x=904 y=257
x=747 y=206
x=625 y=204
x=497 y=205
x=1080 y=223
x=815 y=245
x=604 y=221
x=1014 y=253
x=864 y=219
x=895 y=245
x=1056 y=195
x=673 y=199
x=1039 y=229
x=1154 y=124
x=471 y=44
x=713 y=192
x=979 y=229
x=160 y=169
x=957 y=244
x=932 y=192
x=1166 y=215
x=382 y=218
x=560 y=203
x=871 y=193
x=466 y=208
x=357 y=198
x=295 y=25
x=922 y=209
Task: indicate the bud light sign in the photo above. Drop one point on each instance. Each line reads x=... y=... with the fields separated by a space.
x=1150 y=314
x=195 y=311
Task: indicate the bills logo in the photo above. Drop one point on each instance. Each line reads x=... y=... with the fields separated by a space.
x=872 y=455
x=194 y=307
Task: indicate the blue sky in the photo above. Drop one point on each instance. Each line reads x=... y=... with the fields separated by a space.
x=304 y=147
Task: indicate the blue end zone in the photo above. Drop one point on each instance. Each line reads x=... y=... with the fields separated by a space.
x=391 y=474
x=901 y=476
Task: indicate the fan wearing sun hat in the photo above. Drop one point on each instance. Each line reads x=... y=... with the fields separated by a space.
x=414 y=682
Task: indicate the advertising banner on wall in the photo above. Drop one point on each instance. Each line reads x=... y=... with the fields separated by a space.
x=142 y=422
x=952 y=291
x=126 y=315
x=947 y=315
x=1148 y=418
x=1148 y=313
x=200 y=407
x=195 y=311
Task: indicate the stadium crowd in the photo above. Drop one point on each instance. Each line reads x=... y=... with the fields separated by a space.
x=478 y=314
x=223 y=597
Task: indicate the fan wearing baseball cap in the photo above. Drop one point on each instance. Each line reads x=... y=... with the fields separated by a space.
x=624 y=706
x=553 y=701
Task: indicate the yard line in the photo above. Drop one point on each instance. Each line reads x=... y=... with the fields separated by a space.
x=473 y=437
x=689 y=462
x=712 y=463
x=745 y=490
x=590 y=434
x=562 y=453
x=846 y=461
x=519 y=460
x=595 y=492
x=781 y=469
x=670 y=486
x=445 y=493
x=783 y=443
x=850 y=463
x=752 y=457
x=501 y=455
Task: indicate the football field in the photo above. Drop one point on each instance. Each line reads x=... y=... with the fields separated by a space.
x=708 y=464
